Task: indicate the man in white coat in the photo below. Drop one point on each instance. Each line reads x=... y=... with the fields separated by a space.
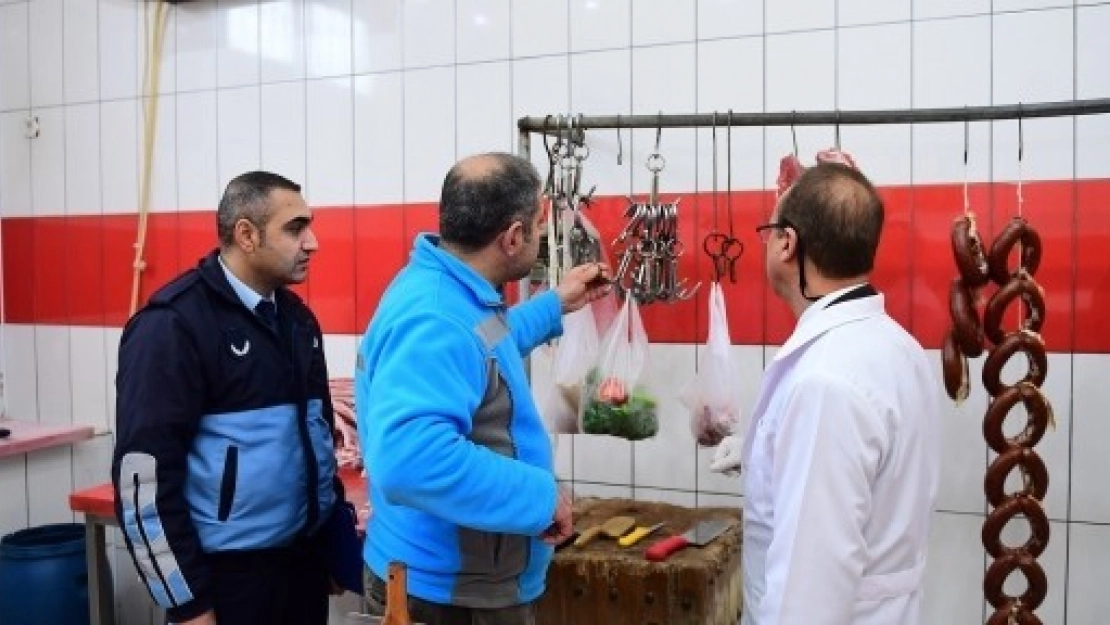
x=841 y=457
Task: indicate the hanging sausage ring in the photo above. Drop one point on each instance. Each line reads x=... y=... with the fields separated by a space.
x=954 y=364
x=998 y=260
x=1029 y=600
x=1032 y=296
x=967 y=249
x=965 y=319
x=1037 y=409
x=1034 y=476
x=1027 y=342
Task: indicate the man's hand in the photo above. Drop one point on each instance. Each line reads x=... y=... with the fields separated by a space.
x=582 y=285
x=563 y=526
x=726 y=459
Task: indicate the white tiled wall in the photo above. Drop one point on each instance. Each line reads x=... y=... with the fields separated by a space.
x=371 y=102
x=379 y=138
x=283 y=106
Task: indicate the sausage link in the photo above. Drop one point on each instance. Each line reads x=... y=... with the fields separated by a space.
x=997 y=519
x=965 y=319
x=998 y=260
x=1038 y=412
x=967 y=249
x=954 y=364
x=1033 y=473
x=1032 y=297
x=996 y=576
x=1028 y=342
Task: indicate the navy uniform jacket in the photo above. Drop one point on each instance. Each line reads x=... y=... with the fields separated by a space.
x=223 y=433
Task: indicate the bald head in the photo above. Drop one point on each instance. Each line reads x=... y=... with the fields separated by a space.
x=838 y=215
x=483 y=195
x=478 y=166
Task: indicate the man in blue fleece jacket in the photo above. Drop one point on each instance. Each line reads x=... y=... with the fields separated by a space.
x=460 y=466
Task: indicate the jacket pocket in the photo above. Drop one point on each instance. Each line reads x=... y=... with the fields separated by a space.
x=227 y=485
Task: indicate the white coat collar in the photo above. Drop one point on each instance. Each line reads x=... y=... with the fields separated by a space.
x=820 y=318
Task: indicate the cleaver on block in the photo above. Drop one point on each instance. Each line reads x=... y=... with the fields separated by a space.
x=703 y=533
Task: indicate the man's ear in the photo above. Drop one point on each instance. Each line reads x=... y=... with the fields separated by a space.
x=246 y=235
x=512 y=239
x=786 y=246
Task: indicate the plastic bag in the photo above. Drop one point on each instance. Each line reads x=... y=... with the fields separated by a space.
x=613 y=402
x=574 y=356
x=577 y=350
x=713 y=398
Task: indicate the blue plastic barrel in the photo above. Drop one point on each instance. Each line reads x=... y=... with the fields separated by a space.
x=43 y=579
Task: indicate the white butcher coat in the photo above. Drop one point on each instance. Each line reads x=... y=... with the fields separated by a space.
x=841 y=460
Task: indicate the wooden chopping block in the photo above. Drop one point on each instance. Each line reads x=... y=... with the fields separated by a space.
x=604 y=582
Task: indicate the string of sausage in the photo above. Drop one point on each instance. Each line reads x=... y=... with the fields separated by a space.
x=967 y=338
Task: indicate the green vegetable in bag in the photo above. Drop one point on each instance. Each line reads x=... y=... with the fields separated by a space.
x=609 y=409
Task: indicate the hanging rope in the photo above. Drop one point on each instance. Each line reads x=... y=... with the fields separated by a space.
x=151 y=75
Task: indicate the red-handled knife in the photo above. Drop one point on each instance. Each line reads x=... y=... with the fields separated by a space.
x=700 y=535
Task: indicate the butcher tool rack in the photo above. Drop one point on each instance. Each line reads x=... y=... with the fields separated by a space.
x=1008 y=609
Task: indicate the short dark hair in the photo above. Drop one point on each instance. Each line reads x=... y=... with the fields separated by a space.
x=247 y=197
x=475 y=207
x=839 y=217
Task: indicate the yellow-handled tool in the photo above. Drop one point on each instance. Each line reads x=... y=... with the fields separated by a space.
x=615 y=527
x=635 y=535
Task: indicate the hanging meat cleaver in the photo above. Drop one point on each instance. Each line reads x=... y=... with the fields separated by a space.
x=700 y=535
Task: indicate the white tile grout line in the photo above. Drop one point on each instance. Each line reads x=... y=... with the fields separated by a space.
x=1074 y=303
x=984 y=606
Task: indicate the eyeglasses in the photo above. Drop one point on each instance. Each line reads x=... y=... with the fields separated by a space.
x=764 y=231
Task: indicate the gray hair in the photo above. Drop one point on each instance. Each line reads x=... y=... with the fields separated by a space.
x=476 y=206
x=248 y=197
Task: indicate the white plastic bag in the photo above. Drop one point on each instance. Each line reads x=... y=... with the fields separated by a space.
x=575 y=354
x=577 y=349
x=713 y=398
x=613 y=402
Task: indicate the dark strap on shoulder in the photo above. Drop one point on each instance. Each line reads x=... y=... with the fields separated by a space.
x=861 y=291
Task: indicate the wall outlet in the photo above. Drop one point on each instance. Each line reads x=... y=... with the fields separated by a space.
x=31 y=128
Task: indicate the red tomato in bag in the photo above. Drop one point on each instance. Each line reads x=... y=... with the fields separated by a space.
x=612 y=391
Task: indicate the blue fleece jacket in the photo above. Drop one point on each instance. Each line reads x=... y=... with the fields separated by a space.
x=460 y=468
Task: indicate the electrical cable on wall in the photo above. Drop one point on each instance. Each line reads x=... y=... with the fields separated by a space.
x=151 y=75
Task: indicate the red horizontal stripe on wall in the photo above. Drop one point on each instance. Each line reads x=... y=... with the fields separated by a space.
x=77 y=270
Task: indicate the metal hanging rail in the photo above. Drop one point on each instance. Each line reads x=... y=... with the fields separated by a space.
x=557 y=123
